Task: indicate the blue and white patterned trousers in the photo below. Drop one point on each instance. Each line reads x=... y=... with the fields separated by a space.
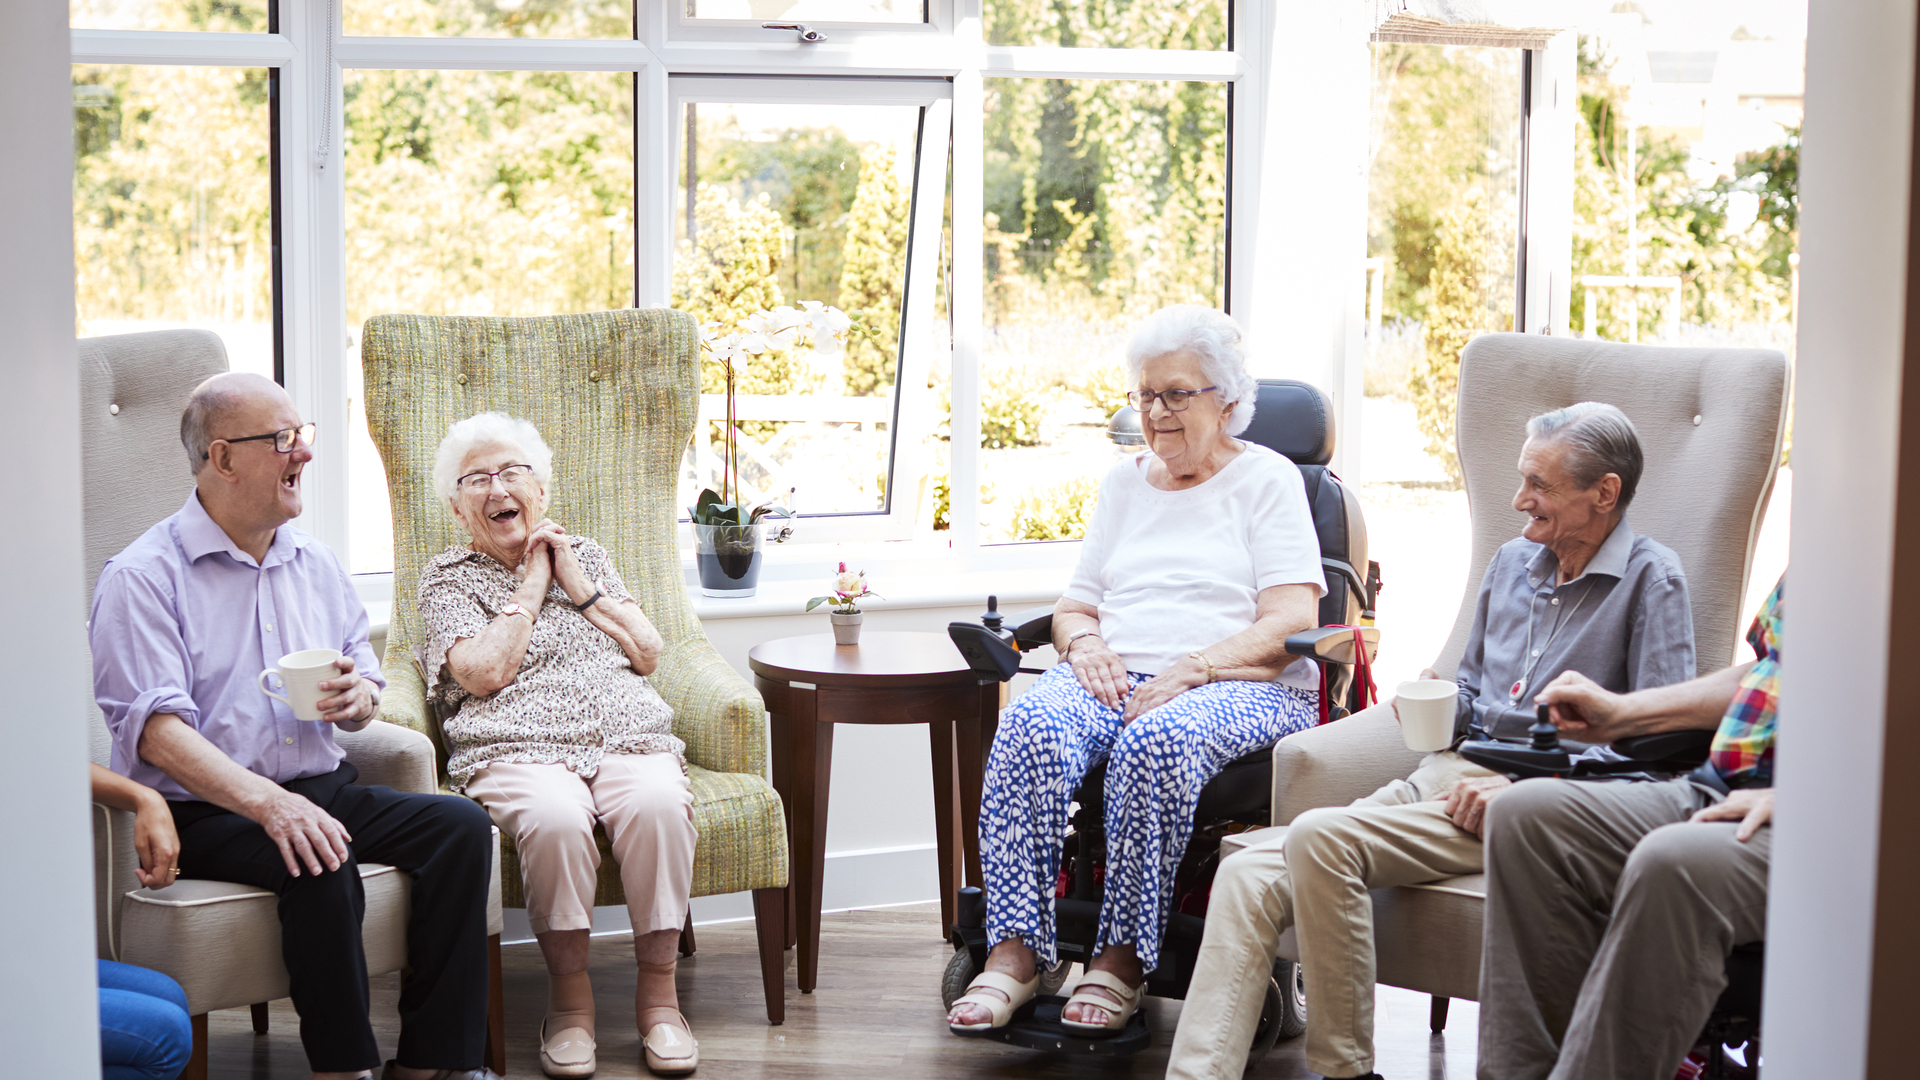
x=1047 y=741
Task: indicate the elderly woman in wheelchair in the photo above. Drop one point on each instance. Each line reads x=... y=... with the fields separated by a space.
x=1201 y=560
x=534 y=639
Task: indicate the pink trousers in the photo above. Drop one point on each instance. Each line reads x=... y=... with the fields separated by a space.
x=645 y=803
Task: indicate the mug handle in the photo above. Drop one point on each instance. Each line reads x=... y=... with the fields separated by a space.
x=264 y=676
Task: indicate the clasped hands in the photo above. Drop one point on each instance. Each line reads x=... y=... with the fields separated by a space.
x=1102 y=673
x=550 y=558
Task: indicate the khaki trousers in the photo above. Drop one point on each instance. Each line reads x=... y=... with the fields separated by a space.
x=1318 y=875
x=1609 y=920
x=646 y=804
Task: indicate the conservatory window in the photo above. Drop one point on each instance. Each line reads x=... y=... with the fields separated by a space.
x=173 y=211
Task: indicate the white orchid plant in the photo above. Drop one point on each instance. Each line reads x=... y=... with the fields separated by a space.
x=848 y=587
x=822 y=326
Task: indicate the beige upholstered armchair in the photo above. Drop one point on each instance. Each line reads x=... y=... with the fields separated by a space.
x=1711 y=422
x=220 y=941
x=615 y=393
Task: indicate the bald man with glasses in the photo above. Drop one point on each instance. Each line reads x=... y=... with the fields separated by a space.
x=184 y=620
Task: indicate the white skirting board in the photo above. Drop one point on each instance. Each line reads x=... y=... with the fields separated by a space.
x=875 y=877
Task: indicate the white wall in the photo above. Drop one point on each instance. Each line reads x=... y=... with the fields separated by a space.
x=1820 y=928
x=49 y=1019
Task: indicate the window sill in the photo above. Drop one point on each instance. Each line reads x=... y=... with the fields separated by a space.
x=913 y=574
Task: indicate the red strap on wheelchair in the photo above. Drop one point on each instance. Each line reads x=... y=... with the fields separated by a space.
x=1362 y=675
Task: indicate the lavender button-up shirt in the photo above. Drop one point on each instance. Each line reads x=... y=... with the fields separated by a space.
x=184 y=622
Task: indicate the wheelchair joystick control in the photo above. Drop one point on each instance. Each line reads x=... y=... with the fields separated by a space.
x=1545 y=735
x=991 y=618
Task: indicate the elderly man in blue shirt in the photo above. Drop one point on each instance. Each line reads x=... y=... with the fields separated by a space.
x=1577 y=591
x=184 y=620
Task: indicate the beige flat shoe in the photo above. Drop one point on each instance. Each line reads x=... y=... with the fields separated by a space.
x=1118 y=1013
x=568 y=1053
x=999 y=1009
x=670 y=1049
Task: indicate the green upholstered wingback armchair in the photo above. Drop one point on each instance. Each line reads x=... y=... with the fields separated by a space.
x=615 y=393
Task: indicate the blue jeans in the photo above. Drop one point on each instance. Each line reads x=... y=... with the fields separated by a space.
x=144 y=1030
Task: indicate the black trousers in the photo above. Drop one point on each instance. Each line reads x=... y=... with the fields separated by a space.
x=444 y=841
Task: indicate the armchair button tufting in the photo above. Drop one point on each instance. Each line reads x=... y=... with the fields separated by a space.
x=593 y=376
x=461 y=378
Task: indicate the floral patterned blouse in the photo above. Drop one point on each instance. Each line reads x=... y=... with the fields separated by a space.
x=576 y=696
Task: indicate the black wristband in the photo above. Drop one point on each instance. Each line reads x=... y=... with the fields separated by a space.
x=591 y=600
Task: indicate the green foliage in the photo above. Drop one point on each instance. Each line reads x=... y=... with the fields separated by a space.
x=170 y=190
x=1091 y=24
x=488 y=193
x=1104 y=386
x=1454 y=313
x=811 y=174
x=491 y=18
x=1441 y=124
x=876 y=266
x=730 y=271
x=1109 y=190
x=1061 y=512
x=1727 y=277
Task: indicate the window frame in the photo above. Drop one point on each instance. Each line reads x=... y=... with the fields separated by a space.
x=1264 y=68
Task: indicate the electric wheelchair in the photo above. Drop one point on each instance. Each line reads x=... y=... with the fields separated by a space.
x=1292 y=418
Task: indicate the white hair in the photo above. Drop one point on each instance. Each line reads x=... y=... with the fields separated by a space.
x=1208 y=334
x=484 y=429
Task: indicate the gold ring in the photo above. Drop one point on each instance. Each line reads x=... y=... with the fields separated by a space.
x=174 y=869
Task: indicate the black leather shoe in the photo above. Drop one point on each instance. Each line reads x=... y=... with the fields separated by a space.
x=445 y=1074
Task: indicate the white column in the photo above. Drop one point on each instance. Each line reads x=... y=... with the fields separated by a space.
x=1555 y=99
x=1833 y=730
x=967 y=306
x=49 y=1017
x=1300 y=201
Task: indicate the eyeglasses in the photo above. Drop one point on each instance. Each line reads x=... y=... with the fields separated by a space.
x=284 y=440
x=479 y=483
x=1174 y=400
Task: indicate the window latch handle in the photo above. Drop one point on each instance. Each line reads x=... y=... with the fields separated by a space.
x=807 y=33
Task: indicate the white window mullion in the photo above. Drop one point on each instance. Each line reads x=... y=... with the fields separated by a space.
x=901 y=56
x=653 y=144
x=1554 y=100
x=914 y=417
x=313 y=258
x=967 y=305
x=181 y=47
x=1054 y=62
x=490 y=54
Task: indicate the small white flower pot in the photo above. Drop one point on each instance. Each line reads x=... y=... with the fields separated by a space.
x=846 y=628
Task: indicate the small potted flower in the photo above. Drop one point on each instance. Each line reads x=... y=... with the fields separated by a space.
x=848 y=587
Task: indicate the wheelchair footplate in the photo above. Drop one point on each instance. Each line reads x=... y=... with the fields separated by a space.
x=1036 y=1026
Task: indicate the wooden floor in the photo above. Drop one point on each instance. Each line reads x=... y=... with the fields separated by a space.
x=876 y=1014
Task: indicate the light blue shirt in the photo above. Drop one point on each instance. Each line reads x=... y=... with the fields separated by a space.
x=184 y=622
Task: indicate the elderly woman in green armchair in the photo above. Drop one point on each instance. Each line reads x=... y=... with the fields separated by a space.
x=534 y=640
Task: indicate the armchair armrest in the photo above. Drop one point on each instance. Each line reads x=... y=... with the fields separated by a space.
x=718 y=714
x=386 y=753
x=1336 y=763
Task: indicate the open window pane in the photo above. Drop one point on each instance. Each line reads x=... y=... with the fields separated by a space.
x=789 y=204
x=811 y=11
x=490 y=18
x=478 y=193
x=1108 y=24
x=1443 y=204
x=233 y=16
x=1106 y=200
x=172 y=203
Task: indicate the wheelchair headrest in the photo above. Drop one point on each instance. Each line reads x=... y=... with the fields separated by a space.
x=1293 y=418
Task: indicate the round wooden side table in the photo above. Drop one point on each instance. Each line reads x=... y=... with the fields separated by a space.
x=890 y=677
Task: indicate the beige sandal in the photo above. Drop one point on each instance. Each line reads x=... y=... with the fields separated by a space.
x=999 y=1009
x=670 y=1049
x=1118 y=1012
x=568 y=1053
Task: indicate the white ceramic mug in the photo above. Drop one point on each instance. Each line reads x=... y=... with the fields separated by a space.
x=1426 y=709
x=300 y=674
